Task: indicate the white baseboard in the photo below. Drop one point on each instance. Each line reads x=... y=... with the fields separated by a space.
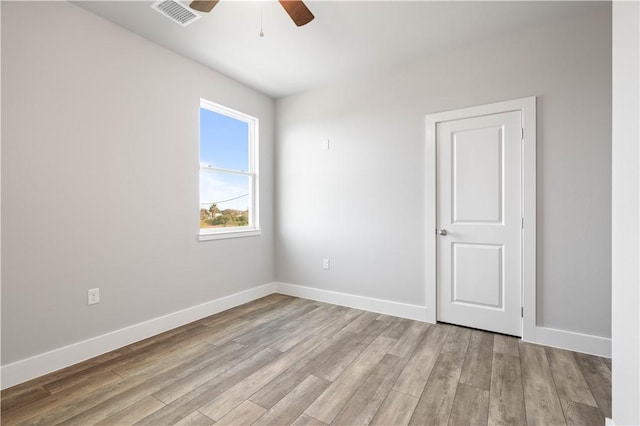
x=577 y=342
x=608 y=422
x=403 y=310
x=36 y=366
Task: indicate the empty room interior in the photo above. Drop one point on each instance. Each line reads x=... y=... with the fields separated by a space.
x=320 y=212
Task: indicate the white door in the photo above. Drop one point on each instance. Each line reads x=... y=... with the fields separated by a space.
x=479 y=222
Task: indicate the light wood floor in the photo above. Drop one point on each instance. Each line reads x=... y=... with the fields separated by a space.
x=282 y=360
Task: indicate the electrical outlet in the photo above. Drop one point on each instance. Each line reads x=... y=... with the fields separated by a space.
x=325 y=263
x=93 y=296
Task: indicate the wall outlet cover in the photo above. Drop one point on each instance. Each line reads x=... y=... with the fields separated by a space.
x=93 y=296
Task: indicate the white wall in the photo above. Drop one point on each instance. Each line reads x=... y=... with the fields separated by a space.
x=100 y=180
x=362 y=205
x=626 y=213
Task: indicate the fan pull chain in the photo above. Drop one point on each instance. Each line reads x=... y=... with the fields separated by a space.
x=261 y=34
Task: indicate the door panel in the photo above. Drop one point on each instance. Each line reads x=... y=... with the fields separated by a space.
x=477 y=277
x=479 y=206
x=477 y=175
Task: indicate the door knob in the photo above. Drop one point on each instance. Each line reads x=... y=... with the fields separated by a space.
x=443 y=232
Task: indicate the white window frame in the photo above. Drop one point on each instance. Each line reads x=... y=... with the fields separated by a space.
x=253 y=229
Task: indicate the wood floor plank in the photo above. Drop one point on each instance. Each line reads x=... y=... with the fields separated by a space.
x=608 y=362
x=135 y=364
x=290 y=339
x=396 y=328
x=366 y=401
x=458 y=341
x=247 y=311
x=506 y=345
x=409 y=340
x=396 y=409
x=134 y=387
x=231 y=398
x=339 y=322
x=193 y=400
x=271 y=331
x=568 y=378
x=147 y=381
x=270 y=334
x=436 y=401
x=470 y=406
x=476 y=370
x=305 y=420
x=266 y=335
x=76 y=374
x=294 y=403
x=506 y=401
x=598 y=377
x=244 y=414
x=258 y=324
x=86 y=371
x=315 y=318
x=540 y=396
x=162 y=338
x=388 y=319
x=414 y=377
x=226 y=332
x=434 y=406
x=61 y=404
x=133 y=413
x=334 y=398
x=77 y=379
x=195 y=419
x=361 y=322
x=225 y=359
x=345 y=355
x=18 y=396
x=280 y=386
x=580 y=414
x=226 y=318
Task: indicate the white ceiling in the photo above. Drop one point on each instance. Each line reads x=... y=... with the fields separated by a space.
x=346 y=39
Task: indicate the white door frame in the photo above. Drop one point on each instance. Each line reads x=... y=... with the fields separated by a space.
x=527 y=107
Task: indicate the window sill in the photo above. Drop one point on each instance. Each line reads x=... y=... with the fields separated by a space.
x=236 y=233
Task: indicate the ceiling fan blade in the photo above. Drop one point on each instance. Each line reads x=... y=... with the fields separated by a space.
x=203 y=5
x=298 y=11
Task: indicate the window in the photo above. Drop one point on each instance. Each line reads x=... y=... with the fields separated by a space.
x=228 y=173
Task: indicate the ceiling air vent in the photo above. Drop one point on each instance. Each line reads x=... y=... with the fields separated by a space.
x=176 y=12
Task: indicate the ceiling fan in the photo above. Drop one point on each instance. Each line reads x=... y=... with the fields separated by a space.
x=297 y=10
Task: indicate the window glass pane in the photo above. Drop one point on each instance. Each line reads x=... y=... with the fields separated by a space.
x=224 y=200
x=224 y=141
